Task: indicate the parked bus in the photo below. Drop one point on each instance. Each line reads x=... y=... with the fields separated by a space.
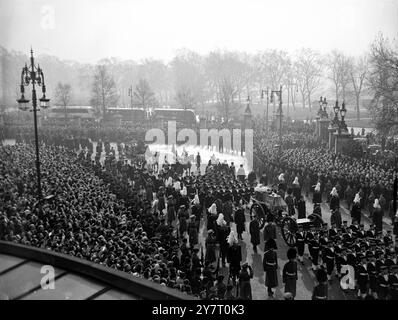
x=125 y=115
x=71 y=112
x=181 y=116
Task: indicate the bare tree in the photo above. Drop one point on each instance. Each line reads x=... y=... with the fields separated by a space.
x=309 y=71
x=189 y=79
x=157 y=74
x=300 y=81
x=358 y=73
x=104 y=93
x=143 y=95
x=185 y=97
x=224 y=73
x=275 y=67
x=383 y=81
x=63 y=95
x=339 y=66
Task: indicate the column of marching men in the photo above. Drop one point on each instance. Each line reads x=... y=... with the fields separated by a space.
x=221 y=196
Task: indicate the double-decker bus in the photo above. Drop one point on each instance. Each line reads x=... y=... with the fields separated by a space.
x=69 y=114
x=125 y=116
x=183 y=117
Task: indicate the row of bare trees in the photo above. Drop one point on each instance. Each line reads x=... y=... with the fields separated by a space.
x=191 y=80
x=226 y=78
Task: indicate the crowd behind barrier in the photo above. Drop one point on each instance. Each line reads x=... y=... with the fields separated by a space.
x=125 y=216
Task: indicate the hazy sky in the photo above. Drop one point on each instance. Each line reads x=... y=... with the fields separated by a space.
x=88 y=30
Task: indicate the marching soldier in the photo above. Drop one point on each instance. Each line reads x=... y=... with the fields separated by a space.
x=371 y=233
x=329 y=258
x=321 y=289
x=290 y=273
x=314 y=251
x=363 y=277
x=383 y=284
x=361 y=232
x=323 y=244
x=393 y=282
x=371 y=267
x=270 y=265
x=341 y=260
x=300 y=242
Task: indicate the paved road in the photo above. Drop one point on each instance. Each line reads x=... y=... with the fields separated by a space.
x=306 y=277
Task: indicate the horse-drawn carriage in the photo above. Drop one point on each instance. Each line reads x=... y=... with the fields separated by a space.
x=265 y=202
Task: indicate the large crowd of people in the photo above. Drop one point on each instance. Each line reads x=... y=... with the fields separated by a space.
x=121 y=213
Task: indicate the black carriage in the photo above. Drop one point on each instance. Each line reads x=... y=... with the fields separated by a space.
x=289 y=226
x=265 y=202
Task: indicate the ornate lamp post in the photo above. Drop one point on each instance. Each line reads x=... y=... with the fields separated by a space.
x=34 y=76
x=322 y=119
x=343 y=111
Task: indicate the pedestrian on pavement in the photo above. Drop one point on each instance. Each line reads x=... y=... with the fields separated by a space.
x=270 y=265
x=289 y=274
x=254 y=228
x=245 y=289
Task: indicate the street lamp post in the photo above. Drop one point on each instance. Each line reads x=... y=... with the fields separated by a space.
x=343 y=112
x=279 y=93
x=33 y=75
x=262 y=97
